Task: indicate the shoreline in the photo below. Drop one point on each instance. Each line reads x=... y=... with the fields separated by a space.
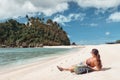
x=71 y=46
x=61 y=46
x=17 y=67
x=47 y=70
x=39 y=59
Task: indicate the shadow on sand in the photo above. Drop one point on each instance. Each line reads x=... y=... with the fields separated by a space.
x=104 y=69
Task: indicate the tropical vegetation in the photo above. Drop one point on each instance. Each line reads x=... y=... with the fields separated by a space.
x=35 y=33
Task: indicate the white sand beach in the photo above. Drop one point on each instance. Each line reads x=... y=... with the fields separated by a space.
x=47 y=70
x=72 y=46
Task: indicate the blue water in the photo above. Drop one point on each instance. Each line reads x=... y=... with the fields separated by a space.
x=10 y=56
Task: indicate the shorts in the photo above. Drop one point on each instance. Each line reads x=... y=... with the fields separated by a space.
x=82 y=69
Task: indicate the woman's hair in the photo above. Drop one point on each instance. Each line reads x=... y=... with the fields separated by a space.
x=96 y=53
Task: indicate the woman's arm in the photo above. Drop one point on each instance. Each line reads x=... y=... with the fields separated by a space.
x=95 y=68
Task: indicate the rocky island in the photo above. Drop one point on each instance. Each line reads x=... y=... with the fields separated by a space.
x=35 y=33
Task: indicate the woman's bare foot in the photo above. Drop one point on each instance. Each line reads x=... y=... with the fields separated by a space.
x=60 y=68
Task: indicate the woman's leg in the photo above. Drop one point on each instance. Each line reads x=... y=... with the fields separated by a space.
x=71 y=69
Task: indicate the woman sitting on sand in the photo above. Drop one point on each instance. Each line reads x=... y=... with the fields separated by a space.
x=91 y=64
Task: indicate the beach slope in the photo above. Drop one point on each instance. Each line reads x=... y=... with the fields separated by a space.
x=47 y=70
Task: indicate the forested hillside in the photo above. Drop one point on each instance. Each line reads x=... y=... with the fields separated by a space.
x=35 y=33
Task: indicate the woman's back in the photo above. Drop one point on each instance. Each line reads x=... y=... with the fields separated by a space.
x=94 y=62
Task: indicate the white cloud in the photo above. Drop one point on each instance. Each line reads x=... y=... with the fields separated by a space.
x=115 y=17
x=93 y=24
x=104 y=4
x=15 y=8
x=69 y=36
x=89 y=24
x=71 y=17
x=100 y=11
x=107 y=33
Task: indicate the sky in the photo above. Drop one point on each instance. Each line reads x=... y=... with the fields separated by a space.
x=85 y=21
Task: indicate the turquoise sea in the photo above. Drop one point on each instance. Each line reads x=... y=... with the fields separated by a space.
x=18 y=56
